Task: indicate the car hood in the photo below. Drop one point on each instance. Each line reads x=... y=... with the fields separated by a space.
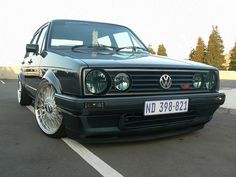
x=138 y=60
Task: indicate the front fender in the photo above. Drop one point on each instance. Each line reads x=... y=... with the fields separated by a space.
x=52 y=79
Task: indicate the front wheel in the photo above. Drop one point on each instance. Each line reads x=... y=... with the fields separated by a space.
x=48 y=117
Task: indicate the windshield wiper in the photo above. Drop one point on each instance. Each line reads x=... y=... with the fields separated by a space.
x=134 y=48
x=116 y=49
x=79 y=46
x=96 y=47
x=101 y=46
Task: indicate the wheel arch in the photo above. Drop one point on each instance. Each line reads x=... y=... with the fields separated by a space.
x=52 y=79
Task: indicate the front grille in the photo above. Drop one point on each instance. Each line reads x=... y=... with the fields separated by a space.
x=132 y=121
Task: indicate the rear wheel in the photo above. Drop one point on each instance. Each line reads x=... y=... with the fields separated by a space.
x=48 y=117
x=22 y=96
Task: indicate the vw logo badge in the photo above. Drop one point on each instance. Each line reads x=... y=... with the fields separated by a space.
x=165 y=81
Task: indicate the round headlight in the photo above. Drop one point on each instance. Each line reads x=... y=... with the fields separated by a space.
x=197 y=81
x=122 y=82
x=210 y=81
x=96 y=82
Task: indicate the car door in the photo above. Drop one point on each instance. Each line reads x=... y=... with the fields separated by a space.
x=32 y=62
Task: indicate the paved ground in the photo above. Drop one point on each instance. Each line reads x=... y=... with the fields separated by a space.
x=229 y=88
x=26 y=152
x=227 y=84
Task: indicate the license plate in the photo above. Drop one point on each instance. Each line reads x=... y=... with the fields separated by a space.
x=165 y=107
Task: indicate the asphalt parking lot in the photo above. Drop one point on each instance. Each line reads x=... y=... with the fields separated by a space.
x=26 y=152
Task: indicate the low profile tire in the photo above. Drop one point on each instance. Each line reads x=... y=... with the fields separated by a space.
x=22 y=96
x=49 y=118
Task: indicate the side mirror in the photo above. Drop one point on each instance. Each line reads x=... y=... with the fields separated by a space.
x=32 y=48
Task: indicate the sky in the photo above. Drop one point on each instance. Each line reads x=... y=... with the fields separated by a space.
x=175 y=23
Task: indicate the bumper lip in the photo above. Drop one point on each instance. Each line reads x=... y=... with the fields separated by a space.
x=137 y=138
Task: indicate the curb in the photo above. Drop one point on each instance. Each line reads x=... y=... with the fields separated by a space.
x=226 y=110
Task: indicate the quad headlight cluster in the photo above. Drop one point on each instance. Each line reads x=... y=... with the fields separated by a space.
x=205 y=80
x=98 y=82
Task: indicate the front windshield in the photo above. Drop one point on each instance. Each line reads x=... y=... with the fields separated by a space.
x=78 y=35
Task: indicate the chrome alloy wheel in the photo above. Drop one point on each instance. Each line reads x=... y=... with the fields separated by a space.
x=48 y=117
x=19 y=92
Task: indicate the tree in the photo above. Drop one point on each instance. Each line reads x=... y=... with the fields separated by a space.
x=161 y=50
x=191 y=55
x=215 y=49
x=151 y=49
x=200 y=51
x=232 y=64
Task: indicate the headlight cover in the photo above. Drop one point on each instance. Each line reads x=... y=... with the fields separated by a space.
x=122 y=82
x=197 y=81
x=210 y=82
x=96 y=82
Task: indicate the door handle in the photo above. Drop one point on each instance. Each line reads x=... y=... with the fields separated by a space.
x=30 y=61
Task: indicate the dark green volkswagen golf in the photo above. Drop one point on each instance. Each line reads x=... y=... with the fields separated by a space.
x=98 y=82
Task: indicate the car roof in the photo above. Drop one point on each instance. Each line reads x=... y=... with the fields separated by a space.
x=83 y=21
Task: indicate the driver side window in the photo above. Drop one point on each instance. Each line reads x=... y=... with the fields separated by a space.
x=35 y=39
x=41 y=39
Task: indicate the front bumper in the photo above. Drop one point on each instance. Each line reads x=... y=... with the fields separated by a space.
x=123 y=116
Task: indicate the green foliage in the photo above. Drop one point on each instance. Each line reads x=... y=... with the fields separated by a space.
x=161 y=50
x=215 y=49
x=151 y=49
x=191 y=54
x=232 y=64
x=200 y=51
